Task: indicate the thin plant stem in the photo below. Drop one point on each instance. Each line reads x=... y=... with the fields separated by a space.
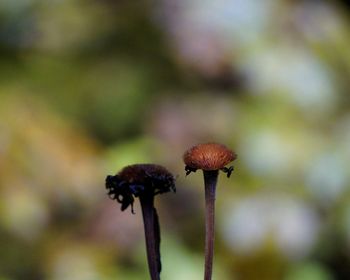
x=210 y=181
x=152 y=235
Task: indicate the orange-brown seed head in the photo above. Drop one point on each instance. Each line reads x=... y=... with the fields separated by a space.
x=209 y=156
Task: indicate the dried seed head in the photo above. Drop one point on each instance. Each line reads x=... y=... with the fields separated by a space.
x=137 y=180
x=209 y=156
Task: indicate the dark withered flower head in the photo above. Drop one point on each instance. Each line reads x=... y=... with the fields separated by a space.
x=209 y=156
x=137 y=180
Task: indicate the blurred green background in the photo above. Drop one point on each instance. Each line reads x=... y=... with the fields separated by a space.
x=89 y=86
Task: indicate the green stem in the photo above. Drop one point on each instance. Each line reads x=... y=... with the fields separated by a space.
x=210 y=181
x=152 y=235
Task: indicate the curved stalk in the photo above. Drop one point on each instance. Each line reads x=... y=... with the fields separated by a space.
x=210 y=181
x=152 y=235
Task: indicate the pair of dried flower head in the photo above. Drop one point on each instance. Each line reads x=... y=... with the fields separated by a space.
x=147 y=180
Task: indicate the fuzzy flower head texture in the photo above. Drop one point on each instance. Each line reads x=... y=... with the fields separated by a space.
x=209 y=157
x=139 y=180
